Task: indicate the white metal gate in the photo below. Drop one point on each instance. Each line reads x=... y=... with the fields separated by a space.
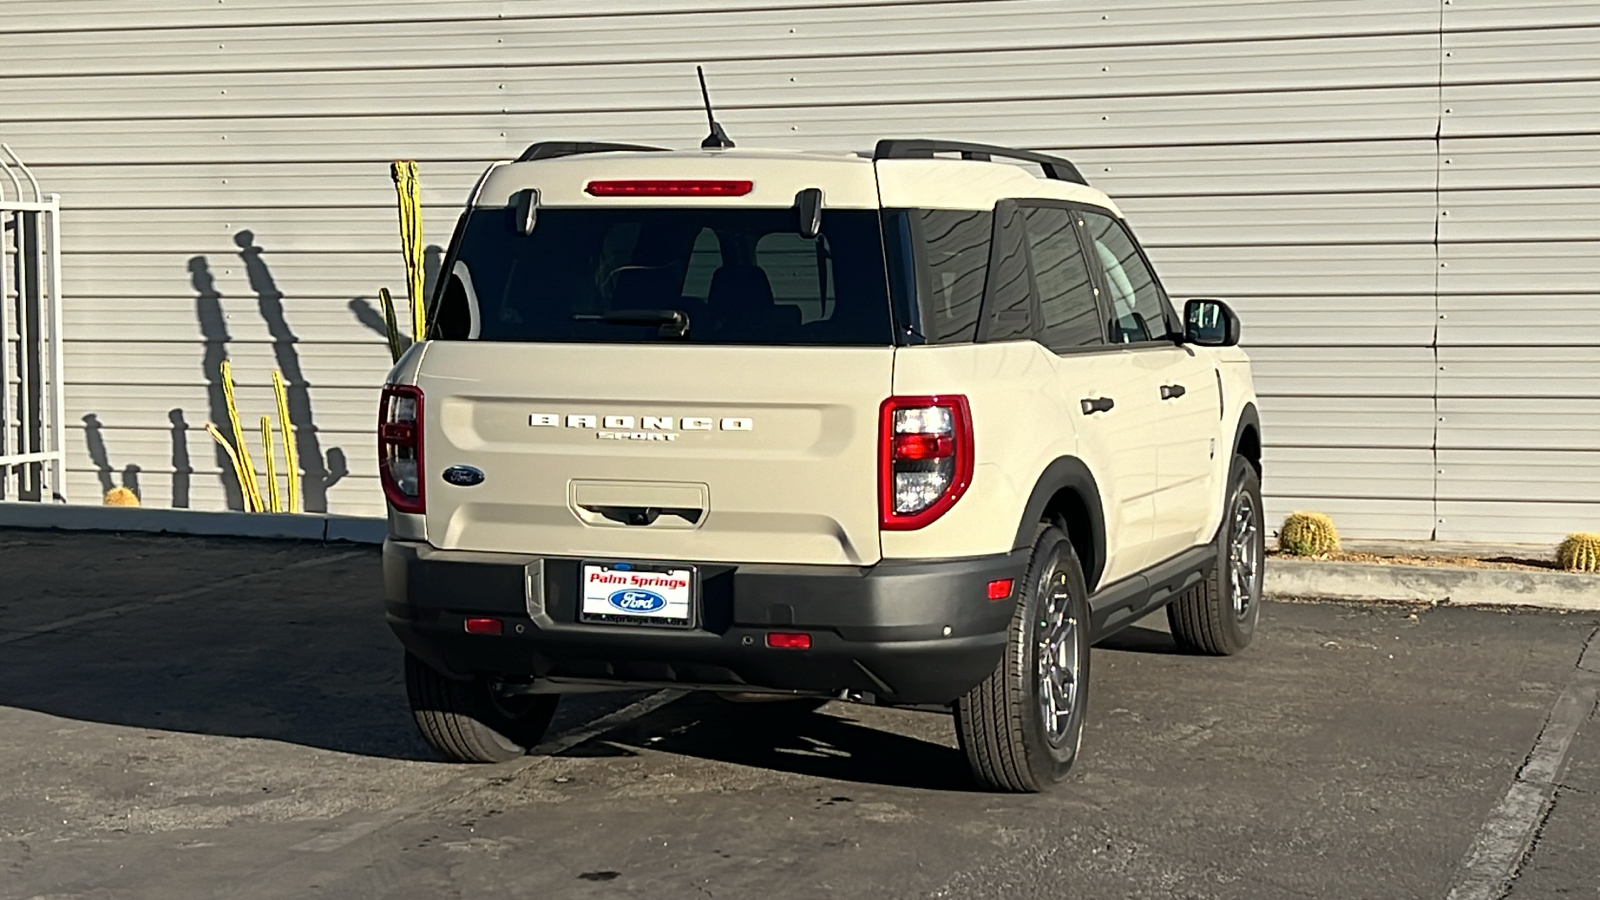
x=32 y=459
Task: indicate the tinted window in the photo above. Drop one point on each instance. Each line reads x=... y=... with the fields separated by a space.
x=954 y=249
x=1070 y=316
x=802 y=277
x=1138 y=307
x=739 y=275
x=1008 y=303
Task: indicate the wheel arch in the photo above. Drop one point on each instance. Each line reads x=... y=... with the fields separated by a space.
x=1247 y=436
x=1067 y=494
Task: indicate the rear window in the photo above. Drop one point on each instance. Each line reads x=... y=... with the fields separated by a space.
x=736 y=276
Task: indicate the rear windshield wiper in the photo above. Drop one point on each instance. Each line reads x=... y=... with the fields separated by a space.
x=673 y=322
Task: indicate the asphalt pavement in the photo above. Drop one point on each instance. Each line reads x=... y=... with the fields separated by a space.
x=195 y=718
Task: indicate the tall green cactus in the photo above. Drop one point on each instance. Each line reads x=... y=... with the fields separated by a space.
x=1308 y=534
x=1579 y=553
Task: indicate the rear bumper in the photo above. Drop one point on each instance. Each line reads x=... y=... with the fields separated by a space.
x=920 y=632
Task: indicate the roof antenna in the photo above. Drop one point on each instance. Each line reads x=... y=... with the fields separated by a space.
x=717 y=139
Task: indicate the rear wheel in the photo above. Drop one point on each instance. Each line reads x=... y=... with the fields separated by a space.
x=1218 y=616
x=469 y=721
x=1021 y=727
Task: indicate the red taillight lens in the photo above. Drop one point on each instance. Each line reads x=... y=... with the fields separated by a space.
x=669 y=188
x=925 y=458
x=400 y=447
x=923 y=446
x=1000 y=589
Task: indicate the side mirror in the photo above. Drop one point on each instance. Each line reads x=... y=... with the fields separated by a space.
x=1210 y=323
x=808 y=212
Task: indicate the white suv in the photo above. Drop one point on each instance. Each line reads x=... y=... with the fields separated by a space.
x=910 y=428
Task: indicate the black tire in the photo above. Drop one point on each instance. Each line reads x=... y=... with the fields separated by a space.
x=1216 y=617
x=465 y=721
x=1001 y=723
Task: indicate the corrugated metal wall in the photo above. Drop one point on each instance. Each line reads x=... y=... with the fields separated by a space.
x=1399 y=195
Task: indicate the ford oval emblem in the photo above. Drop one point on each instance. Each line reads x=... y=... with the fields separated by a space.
x=634 y=600
x=463 y=476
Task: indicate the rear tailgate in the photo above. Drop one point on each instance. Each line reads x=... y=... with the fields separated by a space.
x=650 y=451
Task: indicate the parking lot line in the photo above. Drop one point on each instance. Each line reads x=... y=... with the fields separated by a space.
x=112 y=612
x=1486 y=871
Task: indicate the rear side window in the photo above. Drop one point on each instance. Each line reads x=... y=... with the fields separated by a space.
x=736 y=275
x=953 y=245
x=1070 y=314
x=1138 y=306
x=1008 y=303
x=960 y=275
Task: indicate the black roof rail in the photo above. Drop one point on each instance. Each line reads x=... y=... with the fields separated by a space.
x=1054 y=167
x=554 y=149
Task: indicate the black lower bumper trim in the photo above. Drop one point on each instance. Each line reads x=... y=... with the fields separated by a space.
x=916 y=632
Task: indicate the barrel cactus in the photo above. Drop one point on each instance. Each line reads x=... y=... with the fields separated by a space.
x=1579 y=553
x=121 y=496
x=1308 y=534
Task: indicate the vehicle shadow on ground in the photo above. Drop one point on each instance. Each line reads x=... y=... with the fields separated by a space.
x=1139 y=639
x=791 y=736
x=305 y=659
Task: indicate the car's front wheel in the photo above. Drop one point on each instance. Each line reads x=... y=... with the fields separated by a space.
x=1021 y=728
x=1218 y=616
x=469 y=721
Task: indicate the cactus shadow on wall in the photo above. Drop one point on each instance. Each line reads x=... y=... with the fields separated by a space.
x=214 y=331
x=182 y=468
x=94 y=438
x=318 y=474
x=269 y=300
x=371 y=316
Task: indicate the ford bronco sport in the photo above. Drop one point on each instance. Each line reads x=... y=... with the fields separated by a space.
x=903 y=428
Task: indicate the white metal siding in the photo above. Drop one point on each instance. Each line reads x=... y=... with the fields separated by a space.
x=1398 y=195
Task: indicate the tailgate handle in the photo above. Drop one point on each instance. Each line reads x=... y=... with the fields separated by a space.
x=644 y=515
x=640 y=504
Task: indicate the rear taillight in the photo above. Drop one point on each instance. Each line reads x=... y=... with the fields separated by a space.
x=924 y=458
x=400 y=447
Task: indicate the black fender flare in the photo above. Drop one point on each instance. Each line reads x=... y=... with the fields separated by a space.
x=1248 y=418
x=1067 y=472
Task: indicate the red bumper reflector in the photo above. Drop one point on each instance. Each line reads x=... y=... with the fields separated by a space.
x=789 y=640
x=1000 y=589
x=668 y=188
x=485 y=626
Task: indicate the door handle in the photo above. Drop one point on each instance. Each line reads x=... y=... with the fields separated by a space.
x=1092 y=405
x=1172 y=391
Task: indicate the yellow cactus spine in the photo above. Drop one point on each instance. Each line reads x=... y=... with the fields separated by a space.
x=291 y=452
x=1308 y=534
x=248 y=485
x=1580 y=552
x=274 y=499
x=238 y=467
x=407 y=188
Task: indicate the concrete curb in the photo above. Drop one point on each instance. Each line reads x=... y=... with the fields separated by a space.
x=281 y=526
x=1428 y=584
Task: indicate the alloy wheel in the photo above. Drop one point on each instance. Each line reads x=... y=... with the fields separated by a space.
x=1244 y=552
x=1060 y=662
